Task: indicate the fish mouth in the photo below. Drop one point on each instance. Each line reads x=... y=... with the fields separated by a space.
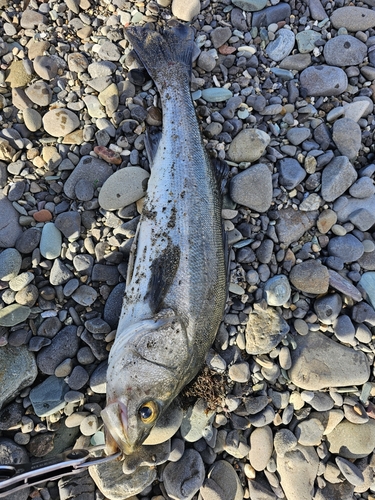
x=115 y=418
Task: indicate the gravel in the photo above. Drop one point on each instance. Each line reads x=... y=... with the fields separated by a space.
x=285 y=94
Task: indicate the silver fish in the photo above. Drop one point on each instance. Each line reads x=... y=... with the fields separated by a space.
x=175 y=296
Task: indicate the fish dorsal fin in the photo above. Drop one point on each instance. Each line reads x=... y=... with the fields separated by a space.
x=163 y=271
x=221 y=170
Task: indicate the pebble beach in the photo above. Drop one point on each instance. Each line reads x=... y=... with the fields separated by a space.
x=284 y=93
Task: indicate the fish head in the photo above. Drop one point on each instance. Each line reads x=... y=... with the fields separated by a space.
x=144 y=376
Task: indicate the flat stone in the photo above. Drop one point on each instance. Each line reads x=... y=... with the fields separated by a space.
x=344 y=50
x=328 y=308
x=282 y=46
x=13 y=314
x=361 y=212
x=64 y=345
x=166 y=426
x=32 y=119
x=367 y=284
x=319 y=362
x=182 y=479
x=291 y=172
x=196 y=419
x=109 y=52
x=306 y=40
x=114 y=484
x=362 y=188
x=77 y=62
x=92 y=169
x=48 y=397
x=348 y=248
x=60 y=122
x=248 y=146
x=123 y=188
x=250 y=5
x=39 y=93
x=18 y=371
x=296 y=62
x=10 y=264
x=293 y=224
x=271 y=15
x=352 y=441
x=309 y=432
x=353 y=18
x=324 y=81
x=347 y=136
x=310 y=276
x=69 y=223
x=223 y=480
x=253 y=187
x=298 y=469
x=85 y=295
x=20 y=73
x=31 y=19
x=10 y=229
x=45 y=67
x=317 y=10
x=264 y=330
x=337 y=177
x=101 y=69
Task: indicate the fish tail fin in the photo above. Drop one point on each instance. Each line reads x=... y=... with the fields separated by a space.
x=167 y=56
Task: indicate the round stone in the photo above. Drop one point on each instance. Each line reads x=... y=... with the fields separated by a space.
x=123 y=188
x=50 y=242
x=253 y=188
x=32 y=119
x=249 y=145
x=324 y=80
x=10 y=264
x=282 y=46
x=277 y=290
x=60 y=122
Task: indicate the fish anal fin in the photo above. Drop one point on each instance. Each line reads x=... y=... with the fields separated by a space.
x=152 y=140
x=163 y=271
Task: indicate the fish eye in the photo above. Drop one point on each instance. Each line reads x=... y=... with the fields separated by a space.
x=148 y=412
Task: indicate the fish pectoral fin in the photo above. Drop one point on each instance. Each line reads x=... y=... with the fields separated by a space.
x=152 y=140
x=163 y=272
x=221 y=170
x=132 y=255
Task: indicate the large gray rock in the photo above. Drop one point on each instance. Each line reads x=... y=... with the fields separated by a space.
x=182 y=479
x=348 y=137
x=293 y=224
x=64 y=345
x=310 y=276
x=352 y=440
x=318 y=362
x=18 y=370
x=344 y=50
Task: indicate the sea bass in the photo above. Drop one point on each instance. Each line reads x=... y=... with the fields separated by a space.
x=175 y=297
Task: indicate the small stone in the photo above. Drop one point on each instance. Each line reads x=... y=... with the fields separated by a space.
x=10 y=229
x=50 y=242
x=291 y=173
x=277 y=290
x=348 y=143
x=92 y=170
x=39 y=93
x=350 y=471
x=264 y=330
x=195 y=421
x=10 y=264
x=60 y=122
x=328 y=308
x=282 y=46
x=337 y=177
x=350 y=440
x=108 y=155
x=30 y=19
x=85 y=295
x=32 y=119
x=135 y=180
x=77 y=62
x=344 y=50
x=45 y=67
x=20 y=73
x=253 y=187
x=248 y=146
x=78 y=378
x=310 y=276
x=261 y=447
x=69 y=223
x=42 y=215
x=216 y=94
x=13 y=314
x=348 y=248
x=182 y=479
x=309 y=432
x=89 y=425
x=48 y=397
x=186 y=12
x=306 y=40
x=326 y=220
x=292 y=224
x=239 y=372
x=362 y=188
x=64 y=345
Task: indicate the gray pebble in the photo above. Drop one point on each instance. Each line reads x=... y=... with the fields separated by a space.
x=64 y=345
x=344 y=50
x=344 y=329
x=328 y=308
x=291 y=172
x=265 y=329
x=324 y=80
x=10 y=264
x=78 y=378
x=182 y=479
x=348 y=137
x=282 y=46
x=277 y=290
x=245 y=188
x=348 y=248
x=48 y=397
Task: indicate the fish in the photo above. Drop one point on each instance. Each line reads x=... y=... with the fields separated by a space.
x=176 y=289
